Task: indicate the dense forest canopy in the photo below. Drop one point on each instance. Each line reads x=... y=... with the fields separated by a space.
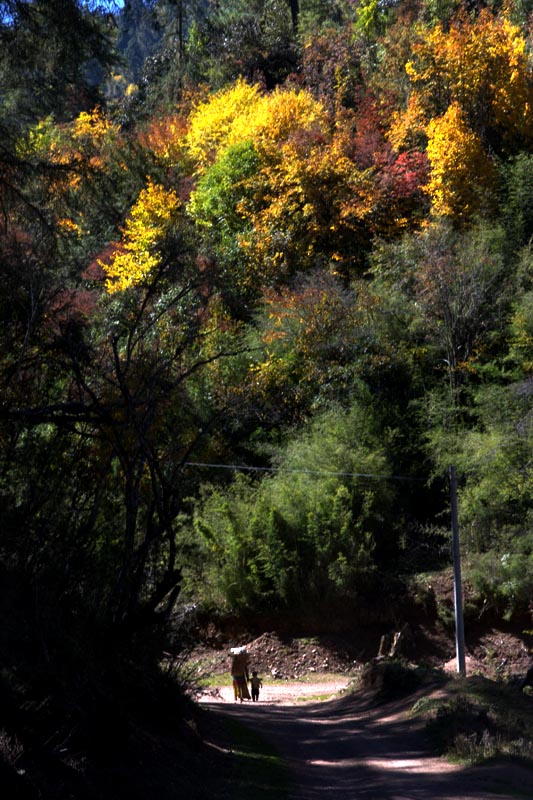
x=265 y=274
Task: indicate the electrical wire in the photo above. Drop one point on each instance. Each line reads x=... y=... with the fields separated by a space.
x=245 y=468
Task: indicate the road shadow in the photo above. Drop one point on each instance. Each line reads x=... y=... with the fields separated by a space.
x=353 y=749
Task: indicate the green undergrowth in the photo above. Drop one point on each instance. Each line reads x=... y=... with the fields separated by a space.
x=391 y=679
x=469 y=720
x=478 y=720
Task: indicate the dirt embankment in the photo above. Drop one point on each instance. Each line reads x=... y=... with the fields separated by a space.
x=498 y=653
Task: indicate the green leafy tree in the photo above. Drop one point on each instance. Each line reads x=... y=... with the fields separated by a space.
x=314 y=343
x=312 y=534
x=318 y=16
x=139 y=34
x=253 y=39
x=521 y=334
x=371 y=18
x=53 y=58
x=454 y=287
x=517 y=207
x=496 y=498
x=217 y=207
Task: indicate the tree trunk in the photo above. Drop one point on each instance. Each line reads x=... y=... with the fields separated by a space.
x=295 y=11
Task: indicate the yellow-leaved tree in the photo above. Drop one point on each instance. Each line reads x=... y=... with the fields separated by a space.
x=241 y=112
x=482 y=64
x=456 y=155
x=279 y=179
x=211 y=123
x=474 y=75
x=316 y=204
x=151 y=219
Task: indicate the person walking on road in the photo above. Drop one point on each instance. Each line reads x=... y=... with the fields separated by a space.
x=239 y=673
x=256 y=683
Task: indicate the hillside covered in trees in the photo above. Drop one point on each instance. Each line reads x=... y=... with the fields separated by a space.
x=265 y=273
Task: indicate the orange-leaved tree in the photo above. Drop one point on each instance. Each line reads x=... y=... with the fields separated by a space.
x=162 y=136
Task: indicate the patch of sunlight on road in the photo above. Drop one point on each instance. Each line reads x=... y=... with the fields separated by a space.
x=280 y=694
x=412 y=764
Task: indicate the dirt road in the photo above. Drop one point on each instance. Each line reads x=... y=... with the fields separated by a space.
x=286 y=694
x=350 y=749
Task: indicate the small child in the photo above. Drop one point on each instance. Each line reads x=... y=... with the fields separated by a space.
x=255 y=683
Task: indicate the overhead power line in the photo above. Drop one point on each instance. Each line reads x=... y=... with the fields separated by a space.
x=245 y=468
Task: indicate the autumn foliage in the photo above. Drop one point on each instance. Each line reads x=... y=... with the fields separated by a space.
x=462 y=173
x=471 y=94
x=145 y=229
x=298 y=246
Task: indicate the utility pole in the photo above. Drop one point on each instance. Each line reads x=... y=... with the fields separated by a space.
x=457 y=582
